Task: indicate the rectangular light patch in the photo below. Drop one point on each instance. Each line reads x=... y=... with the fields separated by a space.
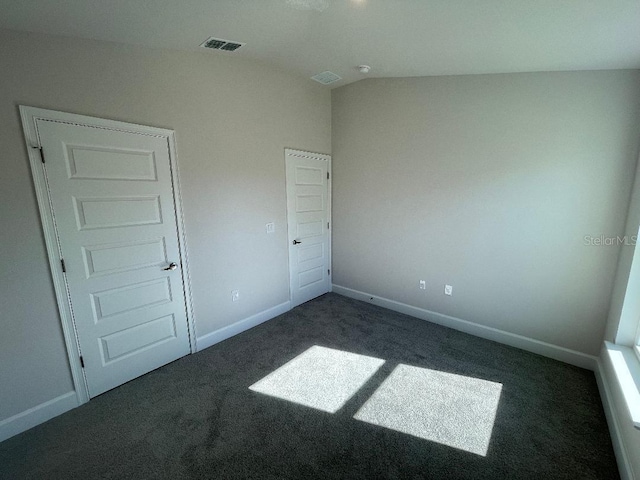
x=449 y=409
x=320 y=378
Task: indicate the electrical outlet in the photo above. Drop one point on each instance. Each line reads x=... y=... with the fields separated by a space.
x=423 y=285
x=271 y=227
x=448 y=290
x=235 y=295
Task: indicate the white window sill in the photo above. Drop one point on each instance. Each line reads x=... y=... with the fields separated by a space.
x=627 y=371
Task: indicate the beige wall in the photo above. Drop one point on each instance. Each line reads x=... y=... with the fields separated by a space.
x=488 y=183
x=232 y=119
x=614 y=330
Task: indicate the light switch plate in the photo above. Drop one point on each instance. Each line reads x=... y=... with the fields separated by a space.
x=271 y=227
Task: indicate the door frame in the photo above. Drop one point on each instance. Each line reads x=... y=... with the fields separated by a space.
x=320 y=156
x=29 y=117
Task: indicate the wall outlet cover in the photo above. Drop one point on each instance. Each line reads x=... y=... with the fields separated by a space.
x=235 y=295
x=423 y=285
x=448 y=290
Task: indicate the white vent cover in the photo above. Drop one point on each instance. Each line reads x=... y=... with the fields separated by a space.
x=220 y=44
x=326 y=78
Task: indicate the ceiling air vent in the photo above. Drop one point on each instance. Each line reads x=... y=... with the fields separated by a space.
x=326 y=78
x=219 y=44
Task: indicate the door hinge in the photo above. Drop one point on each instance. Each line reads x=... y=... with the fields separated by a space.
x=327 y=225
x=64 y=267
x=41 y=153
x=327 y=173
x=81 y=361
x=328 y=272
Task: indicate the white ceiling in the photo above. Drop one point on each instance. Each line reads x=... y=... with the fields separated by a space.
x=396 y=37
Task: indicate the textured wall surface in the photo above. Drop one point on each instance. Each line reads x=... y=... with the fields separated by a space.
x=489 y=183
x=233 y=120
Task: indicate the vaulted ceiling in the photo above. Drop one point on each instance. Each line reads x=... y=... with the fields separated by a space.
x=395 y=37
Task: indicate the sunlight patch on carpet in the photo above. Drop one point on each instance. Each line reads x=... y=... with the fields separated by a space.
x=449 y=409
x=320 y=378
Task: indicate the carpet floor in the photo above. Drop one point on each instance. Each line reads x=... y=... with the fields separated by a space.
x=335 y=388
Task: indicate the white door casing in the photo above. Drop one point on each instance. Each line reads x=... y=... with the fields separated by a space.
x=309 y=224
x=109 y=199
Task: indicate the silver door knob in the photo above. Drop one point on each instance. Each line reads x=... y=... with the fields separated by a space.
x=295 y=242
x=172 y=266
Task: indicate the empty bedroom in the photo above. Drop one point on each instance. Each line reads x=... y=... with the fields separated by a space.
x=296 y=239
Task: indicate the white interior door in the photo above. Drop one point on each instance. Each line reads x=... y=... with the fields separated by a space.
x=309 y=224
x=112 y=200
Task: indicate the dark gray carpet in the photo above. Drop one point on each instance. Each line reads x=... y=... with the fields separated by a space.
x=197 y=417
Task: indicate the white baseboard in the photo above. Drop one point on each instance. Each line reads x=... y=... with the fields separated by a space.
x=221 y=334
x=610 y=412
x=556 y=352
x=39 y=414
